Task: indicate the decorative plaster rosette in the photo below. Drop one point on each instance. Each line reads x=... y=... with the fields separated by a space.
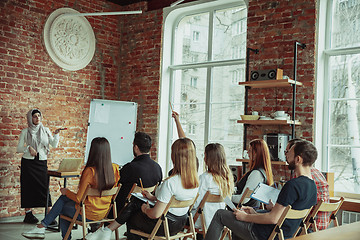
x=69 y=40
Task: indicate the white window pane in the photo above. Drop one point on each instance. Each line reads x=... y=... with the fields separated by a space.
x=344 y=162
x=345 y=76
x=345 y=30
x=344 y=122
x=191 y=39
x=229 y=41
x=223 y=122
x=225 y=86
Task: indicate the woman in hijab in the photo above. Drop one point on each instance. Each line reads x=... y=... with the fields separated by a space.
x=34 y=143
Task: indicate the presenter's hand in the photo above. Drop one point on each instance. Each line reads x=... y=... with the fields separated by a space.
x=32 y=151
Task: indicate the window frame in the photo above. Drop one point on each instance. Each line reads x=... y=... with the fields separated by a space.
x=324 y=53
x=172 y=17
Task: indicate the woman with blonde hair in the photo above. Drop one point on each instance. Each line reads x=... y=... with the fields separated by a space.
x=217 y=179
x=259 y=171
x=183 y=184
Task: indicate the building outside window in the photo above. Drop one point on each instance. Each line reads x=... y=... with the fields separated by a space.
x=338 y=93
x=193 y=81
x=215 y=99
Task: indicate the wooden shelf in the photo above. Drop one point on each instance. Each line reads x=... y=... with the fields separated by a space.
x=269 y=122
x=272 y=162
x=270 y=83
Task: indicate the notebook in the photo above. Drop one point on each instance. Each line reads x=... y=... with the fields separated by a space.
x=70 y=165
x=264 y=193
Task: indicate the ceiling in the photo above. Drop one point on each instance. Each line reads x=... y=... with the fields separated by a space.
x=152 y=4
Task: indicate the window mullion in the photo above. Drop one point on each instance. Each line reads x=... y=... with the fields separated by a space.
x=208 y=81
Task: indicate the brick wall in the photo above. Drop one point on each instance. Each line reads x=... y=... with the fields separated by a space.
x=273 y=27
x=127 y=57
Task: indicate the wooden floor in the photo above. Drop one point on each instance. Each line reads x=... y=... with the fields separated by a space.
x=12 y=228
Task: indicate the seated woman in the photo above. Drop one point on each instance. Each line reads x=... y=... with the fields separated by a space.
x=217 y=179
x=99 y=173
x=259 y=171
x=183 y=184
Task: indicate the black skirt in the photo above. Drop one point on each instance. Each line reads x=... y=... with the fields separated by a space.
x=34 y=183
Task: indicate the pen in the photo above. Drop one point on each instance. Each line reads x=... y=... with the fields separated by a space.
x=59 y=184
x=63 y=129
x=142 y=187
x=171 y=106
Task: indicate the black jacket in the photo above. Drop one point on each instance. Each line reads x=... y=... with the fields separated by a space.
x=140 y=167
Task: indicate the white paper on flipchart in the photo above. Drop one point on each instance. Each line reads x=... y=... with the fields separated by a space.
x=228 y=202
x=102 y=112
x=264 y=193
x=142 y=198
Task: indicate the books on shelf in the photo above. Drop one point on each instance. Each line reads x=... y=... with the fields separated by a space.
x=264 y=193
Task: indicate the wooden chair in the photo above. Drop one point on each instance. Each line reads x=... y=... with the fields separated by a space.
x=247 y=194
x=324 y=207
x=80 y=209
x=290 y=214
x=210 y=198
x=173 y=203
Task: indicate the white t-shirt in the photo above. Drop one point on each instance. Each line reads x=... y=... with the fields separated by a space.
x=207 y=183
x=173 y=186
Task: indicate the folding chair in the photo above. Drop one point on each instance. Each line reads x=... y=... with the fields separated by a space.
x=290 y=214
x=324 y=207
x=210 y=198
x=80 y=209
x=173 y=203
x=247 y=194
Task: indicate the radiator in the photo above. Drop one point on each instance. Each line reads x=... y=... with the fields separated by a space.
x=349 y=217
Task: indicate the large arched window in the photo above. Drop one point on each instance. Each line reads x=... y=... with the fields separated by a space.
x=338 y=92
x=203 y=60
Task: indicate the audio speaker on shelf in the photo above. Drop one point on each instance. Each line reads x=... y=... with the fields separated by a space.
x=269 y=74
x=235 y=172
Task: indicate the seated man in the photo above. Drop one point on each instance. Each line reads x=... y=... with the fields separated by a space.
x=322 y=218
x=299 y=192
x=142 y=166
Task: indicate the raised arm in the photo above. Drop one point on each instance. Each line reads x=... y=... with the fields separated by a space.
x=179 y=128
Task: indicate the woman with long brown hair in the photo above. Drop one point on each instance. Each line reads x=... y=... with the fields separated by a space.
x=217 y=179
x=259 y=171
x=99 y=173
x=183 y=184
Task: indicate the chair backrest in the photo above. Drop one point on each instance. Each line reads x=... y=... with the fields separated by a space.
x=174 y=203
x=324 y=207
x=94 y=193
x=289 y=214
x=208 y=197
x=247 y=193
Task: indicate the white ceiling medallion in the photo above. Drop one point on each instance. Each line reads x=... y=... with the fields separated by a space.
x=69 y=39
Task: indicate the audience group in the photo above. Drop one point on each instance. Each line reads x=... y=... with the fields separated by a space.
x=306 y=187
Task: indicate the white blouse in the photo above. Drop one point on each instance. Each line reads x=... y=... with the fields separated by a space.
x=207 y=183
x=23 y=146
x=172 y=186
